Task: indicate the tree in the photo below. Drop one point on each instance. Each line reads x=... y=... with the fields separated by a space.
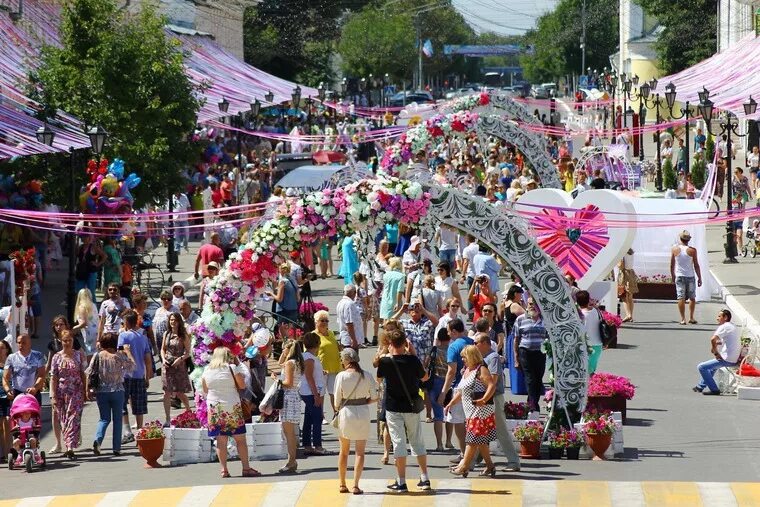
x=368 y=46
x=698 y=172
x=557 y=35
x=690 y=31
x=670 y=180
x=121 y=72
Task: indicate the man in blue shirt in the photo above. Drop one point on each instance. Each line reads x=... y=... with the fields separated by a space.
x=484 y=263
x=135 y=383
x=459 y=341
x=24 y=370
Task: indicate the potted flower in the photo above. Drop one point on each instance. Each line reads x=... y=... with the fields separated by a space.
x=613 y=324
x=150 y=443
x=610 y=392
x=573 y=441
x=514 y=410
x=186 y=420
x=556 y=444
x=529 y=435
x=598 y=428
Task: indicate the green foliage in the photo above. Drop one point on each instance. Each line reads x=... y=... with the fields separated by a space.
x=123 y=73
x=698 y=172
x=709 y=148
x=382 y=39
x=690 y=31
x=669 y=177
x=557 y=35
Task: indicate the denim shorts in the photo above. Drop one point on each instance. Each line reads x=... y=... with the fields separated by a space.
x=686 y=287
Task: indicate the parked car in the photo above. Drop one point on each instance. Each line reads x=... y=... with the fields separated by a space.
x=420 y=97
x=539 y=92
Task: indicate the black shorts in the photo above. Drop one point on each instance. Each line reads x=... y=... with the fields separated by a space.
x=5 y=407
x=137 y=395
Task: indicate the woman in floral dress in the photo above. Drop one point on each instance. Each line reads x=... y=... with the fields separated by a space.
x=220 y=380
x=67 y=392
x=476 y=383
x=175 y=349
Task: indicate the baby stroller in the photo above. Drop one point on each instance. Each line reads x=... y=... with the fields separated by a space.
x=26 y=457
x=750 y=242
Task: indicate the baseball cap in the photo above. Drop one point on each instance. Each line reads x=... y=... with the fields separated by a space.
x=212 y=264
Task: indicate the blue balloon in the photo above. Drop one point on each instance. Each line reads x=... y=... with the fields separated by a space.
x=132 y=181
x=117 y=168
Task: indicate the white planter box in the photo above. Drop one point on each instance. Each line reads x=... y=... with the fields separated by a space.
x=187 y=445
x=616 y=448
x=748 y=393
x=265 y=441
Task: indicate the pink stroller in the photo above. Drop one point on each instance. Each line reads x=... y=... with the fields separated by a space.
x=24 y=432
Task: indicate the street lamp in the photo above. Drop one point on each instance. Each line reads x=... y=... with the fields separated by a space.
x=224 y=105
x=269 y=97
x=626 y=91
x=309 y=102
x=98 y=136
x=296 y=97
x=670 y=99
x=635 y=80
x=656 y=103
x=321 y=92
x=45 y=135
x=727 y=128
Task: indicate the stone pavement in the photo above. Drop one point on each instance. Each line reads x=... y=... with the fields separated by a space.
x=458 y=492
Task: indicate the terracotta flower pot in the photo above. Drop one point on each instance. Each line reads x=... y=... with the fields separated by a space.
x=151 y=449
x=530 y=449
x=598 y=443
x=573 y=452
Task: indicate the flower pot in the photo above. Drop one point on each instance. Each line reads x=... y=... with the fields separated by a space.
x=530 y=449
x=573 y=452
x=598 y=443
x=615 y=403
x=613 y=338
x=151 y=449
x=661 y=291
x=556 y=452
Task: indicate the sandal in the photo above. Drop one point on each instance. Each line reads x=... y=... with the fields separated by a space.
x=343 y=488
x=357 y=491
x=225 y=474
x=319 y=451
x=692 y=321
x=250 y=472
x=385 y=460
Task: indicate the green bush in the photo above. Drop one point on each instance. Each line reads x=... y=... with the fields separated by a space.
x=669 y=177
x=698 y=172
x=709 y=148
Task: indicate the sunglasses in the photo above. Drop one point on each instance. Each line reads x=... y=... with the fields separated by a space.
x=455 y=306
x=323 y=320
x=487 y=311
x=165 y=299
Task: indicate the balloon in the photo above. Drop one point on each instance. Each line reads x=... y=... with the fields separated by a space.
x=261 y=337
x=132 y=181
x=35 y=186
x=251 y=352
x=90 y=203
x=17 y=201
x=109 y=186
x=117 y=168
x=83 y=200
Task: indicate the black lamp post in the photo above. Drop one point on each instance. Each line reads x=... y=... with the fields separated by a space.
x=269 y=97
x=656 y=103
x=71 y=282
x=728 y=128
x=370 y=86
x=670 y=98
x=386 y=82
x=45 y=135
x=255 y=110
x=98 y=136
x=626 y=90
x=643 y=96
x=224 y=105
x=309 y=102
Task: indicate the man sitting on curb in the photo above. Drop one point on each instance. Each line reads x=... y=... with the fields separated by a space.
x=725 y=346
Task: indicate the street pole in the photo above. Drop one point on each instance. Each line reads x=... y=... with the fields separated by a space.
x=686 y=135
x=730 y=236
x=641 y=127
x=239 y=159
x=658 y=181
x=419 y=51
x=583 y=37
x=71 y=282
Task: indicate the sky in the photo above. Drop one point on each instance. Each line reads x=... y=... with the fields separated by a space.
x=505 y=17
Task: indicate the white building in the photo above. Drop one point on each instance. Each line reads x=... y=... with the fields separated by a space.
x=637 y=34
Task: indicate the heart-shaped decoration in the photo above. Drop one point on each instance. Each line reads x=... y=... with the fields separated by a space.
x=580 y=242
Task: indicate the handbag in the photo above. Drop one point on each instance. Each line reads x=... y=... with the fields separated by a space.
x=266 y=406
x=245 y=405
x=477 y=395
x=417 y=405
x=604 y=330
x=334 y=422
x=427 y=385
x=93 y=378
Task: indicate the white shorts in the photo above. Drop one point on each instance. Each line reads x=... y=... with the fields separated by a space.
x=330 y=379
x=456 y=414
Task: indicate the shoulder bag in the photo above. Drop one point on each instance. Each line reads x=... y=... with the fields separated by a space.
x=334 y=422
x=428 y=384
x=476 y=395
x=417 y=405
x=93 y=378
x=245 y=405
x=604 y=330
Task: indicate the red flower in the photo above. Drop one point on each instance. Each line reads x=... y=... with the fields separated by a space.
x=457 y=126
x=484 y=99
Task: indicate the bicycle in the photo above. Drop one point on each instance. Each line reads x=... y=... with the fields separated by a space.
x=148 y=276
x=750 y=245
x=714 y=208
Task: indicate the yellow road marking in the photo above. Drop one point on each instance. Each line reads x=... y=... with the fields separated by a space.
x=594 y=493
x=501 y=492
x=251 y=495
x=747 y=493
x=77 y=501
x=324 y=492
x=164 y=497
x=661 y=494
x=415 y=497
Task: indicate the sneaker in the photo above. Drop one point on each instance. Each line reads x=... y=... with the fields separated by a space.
x=96 y=448
x=424 y=485
x=117 y=453
x=397 y=488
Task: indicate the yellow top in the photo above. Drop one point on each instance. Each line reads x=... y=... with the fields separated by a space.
x=329 y=354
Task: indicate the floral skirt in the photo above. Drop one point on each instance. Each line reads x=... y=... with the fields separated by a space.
x=223 y=423
x=481 y=430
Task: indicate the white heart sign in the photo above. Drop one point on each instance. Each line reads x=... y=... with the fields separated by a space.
x=580 y=241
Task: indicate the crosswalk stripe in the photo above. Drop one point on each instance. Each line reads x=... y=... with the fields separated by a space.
x=594 y=493
x=539 y=493
x=374 y=491
x=626 y=494
x=284 y=494
x=501 y=492
x=747 y=494
x=39 y=501
x=457 y=493
x=200 y=496
x=251 y=495
x=717 y=494
x=167 y=496
x=118 y=499
x=320 y=493
x=77 y=501
x=671 y=493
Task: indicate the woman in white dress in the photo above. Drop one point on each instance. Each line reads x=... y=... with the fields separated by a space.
x=290 y=415
x=445 y=284
x=354 y=391
x=86 y=318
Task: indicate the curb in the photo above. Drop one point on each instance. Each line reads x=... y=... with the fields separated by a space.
x=737 y=309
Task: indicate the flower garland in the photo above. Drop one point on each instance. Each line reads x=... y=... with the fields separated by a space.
x=24 y=267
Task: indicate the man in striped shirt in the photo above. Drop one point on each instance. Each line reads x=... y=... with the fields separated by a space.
x=530 y=334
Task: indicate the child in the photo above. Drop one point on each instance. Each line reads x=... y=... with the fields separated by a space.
x=361 y=301
x=25 y=422
x=178 y=294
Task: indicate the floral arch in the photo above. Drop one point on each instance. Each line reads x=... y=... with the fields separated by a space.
x=364 y=207
x=424 y=136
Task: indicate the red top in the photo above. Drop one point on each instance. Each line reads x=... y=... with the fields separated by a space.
x=210 y=252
